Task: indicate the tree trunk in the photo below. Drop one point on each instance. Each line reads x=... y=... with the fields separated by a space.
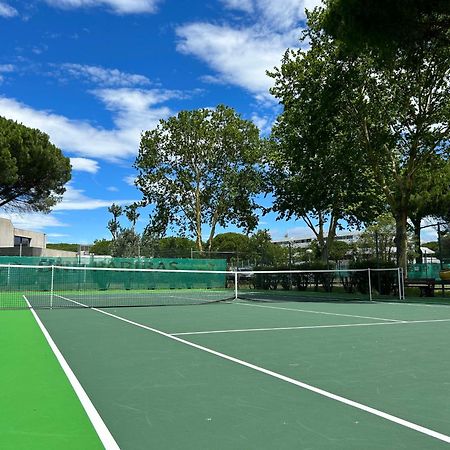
x=416 y=222
x=401 y=239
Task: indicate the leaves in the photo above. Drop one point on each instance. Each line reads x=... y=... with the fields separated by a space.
x=33 y=171
x=201 y=168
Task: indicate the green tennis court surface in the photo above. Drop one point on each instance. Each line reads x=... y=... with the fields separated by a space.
x=240 y=375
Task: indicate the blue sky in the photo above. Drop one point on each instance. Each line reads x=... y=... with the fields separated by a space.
x=94 y=74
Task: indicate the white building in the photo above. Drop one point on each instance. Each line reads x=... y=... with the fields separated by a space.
x=304 y=242
x=18 y=242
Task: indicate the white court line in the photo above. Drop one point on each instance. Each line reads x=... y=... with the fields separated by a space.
x=100 y=427
x=346 y=401
x=318 y=312
x=308 y=327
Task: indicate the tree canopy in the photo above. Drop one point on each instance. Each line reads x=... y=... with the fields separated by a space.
x=33 y=171
x=387 y=25
x=200 y=169
x=314 y=172
x=390 y=121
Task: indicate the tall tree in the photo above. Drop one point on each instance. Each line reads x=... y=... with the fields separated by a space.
x=393 y=119
x=314 y=172
x=430 y=197
x=198 y=169
x=386 y=25
x=33 y=171
x=113 y=224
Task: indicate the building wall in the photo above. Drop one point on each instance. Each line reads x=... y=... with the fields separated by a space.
x=38 y=240
x=6 y=233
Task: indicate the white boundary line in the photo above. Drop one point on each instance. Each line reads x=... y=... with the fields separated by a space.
x=317 y=312
x=100 y=427
x=346 y=401
x=308 y=327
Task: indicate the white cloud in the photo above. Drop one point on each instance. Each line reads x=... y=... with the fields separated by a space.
x=133 y=111
x=7 y=10
x=112 y=189
x=130 y=179
x=240 y=56
x=6 y=68
x=84 y=165
x=75 y=199
x=239 y=5
x=33 y=220
x=117 y=6
x=104 y=76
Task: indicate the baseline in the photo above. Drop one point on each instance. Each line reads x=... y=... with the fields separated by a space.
x=322 y=392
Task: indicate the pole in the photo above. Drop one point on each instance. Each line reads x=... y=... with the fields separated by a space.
x=370 y=285
x=400 y=287
x=51 y=286
x=236 y=285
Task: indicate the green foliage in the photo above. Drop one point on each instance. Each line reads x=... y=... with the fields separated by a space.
x=265 y=253
x=33 y=171
x=379 y=237
x=64 y=246
x=126 y=244
x=386 y=25
x=386 y=122
x=101 y=247
x=200 y=168
x=113 y=224
x=315 y=172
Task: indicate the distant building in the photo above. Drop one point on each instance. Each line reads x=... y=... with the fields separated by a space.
x=18 y=242
x=304 y=242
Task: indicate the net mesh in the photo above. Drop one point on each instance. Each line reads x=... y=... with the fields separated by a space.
x=71 y=287
x=63 y=287
x=319 y=285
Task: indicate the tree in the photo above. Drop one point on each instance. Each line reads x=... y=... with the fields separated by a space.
x=175 y=247
x=266 y=253
x=126 y=244
x=33 y=171
x=101 y=247
x=64 y=246
x=386 y=25
x=378 y=239
x=132 y=214
x=314 y=172
x=200 y=168
x=430 y=197
x=113 y=224
x=393 y=119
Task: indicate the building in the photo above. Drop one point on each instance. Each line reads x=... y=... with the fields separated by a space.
x=304 y=242
x=18 y=242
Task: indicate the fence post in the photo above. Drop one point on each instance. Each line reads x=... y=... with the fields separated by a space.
x=51 y=286
x=370 y=284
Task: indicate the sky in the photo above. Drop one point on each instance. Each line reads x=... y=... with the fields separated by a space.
x=95 y=74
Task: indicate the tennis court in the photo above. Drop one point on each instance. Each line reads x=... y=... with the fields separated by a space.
x=239 y=374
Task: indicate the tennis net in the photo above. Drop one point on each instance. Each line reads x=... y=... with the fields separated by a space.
x=66 y=287
x=26 y=286
x=320 y=285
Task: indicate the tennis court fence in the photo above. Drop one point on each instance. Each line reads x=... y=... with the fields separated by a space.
x=28 y=286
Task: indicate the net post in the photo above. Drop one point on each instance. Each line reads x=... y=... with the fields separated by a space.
x=51 y=286
x=401 y=288
x=235 y=285
x=370 y=284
